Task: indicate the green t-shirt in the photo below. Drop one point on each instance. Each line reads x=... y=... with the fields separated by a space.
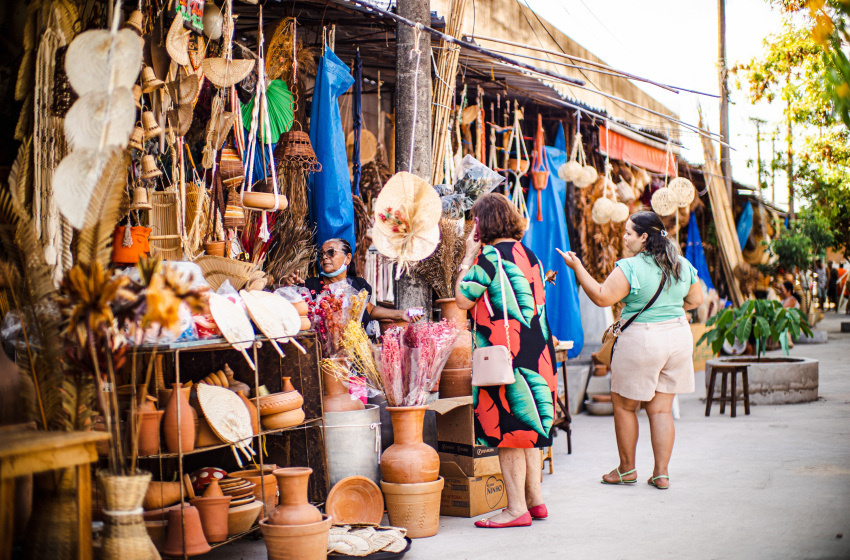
x=644 y=276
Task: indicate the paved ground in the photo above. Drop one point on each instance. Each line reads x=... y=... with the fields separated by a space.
x=772 y=485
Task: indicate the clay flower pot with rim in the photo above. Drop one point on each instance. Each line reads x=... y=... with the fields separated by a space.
x=461 y=354
x=297 y=542
x=294 y=508
x=409 y=459
x=336 y=397
x=195 y=541
x=213 y=512
x=267 y=481
x=185 y=421
x=148 y=425
x=416 y=507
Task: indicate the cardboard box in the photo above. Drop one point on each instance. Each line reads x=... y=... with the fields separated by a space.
x=703 y=352
x=465 y=496
x=456 y=438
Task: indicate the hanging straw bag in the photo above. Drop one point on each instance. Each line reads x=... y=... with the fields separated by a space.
x=493 y=365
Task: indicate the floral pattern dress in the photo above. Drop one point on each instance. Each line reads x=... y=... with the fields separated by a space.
x=519 y=415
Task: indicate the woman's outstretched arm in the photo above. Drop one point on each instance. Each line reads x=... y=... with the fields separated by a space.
x=615 y=287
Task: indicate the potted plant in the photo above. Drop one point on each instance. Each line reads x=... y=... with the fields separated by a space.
x=772 y=380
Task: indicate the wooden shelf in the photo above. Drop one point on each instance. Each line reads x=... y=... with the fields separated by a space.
x=229 y=540
x=205 y=345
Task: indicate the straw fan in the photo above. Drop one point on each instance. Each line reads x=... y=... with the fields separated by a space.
x=234 y=324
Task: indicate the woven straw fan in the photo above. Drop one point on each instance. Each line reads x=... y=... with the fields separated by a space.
x=274 y=316
x=228 y=418
x=233 y=324
x=87 y=61
x=224 y=71
x=96 y=110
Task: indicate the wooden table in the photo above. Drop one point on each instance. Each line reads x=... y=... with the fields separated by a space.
x=24 y=451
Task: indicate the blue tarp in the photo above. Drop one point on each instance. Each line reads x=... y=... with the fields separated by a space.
x=562 y=307
x=695 y=254
x=329 y=190
x=745 y=224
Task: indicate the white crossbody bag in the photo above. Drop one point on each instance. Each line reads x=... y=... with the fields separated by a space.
x=493 y=365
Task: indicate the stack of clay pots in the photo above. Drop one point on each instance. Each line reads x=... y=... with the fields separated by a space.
x=303 y=311
x=281 y=410
x=456 y=378
x=410 y=470
x=295 y=529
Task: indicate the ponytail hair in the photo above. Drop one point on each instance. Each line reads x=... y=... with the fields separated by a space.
x=663 y=250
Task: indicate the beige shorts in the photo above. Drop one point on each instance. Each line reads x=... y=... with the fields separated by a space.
x=653 y=357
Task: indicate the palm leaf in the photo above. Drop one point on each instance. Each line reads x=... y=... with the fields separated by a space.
x=95 y=239
x=530 y=400
x=518 y=296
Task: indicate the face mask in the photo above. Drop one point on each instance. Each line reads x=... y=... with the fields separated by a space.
x=336 y=272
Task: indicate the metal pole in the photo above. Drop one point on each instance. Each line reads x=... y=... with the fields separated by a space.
x=725 y=164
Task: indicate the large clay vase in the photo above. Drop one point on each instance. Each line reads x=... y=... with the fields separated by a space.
x=416 y=507
x=409 y=459
x=455 y=383
x=182 y=439
x=195 y=541
x=461 y=354
x=213 y=511
x=252 y=411
x=266 y=485
x=297 y=542
x=336 y=397
x=294 y=508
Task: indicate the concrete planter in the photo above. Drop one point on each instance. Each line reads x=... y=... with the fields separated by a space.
x=774 y=380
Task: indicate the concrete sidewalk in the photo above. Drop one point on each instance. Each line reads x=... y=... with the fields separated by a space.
x=771 y=485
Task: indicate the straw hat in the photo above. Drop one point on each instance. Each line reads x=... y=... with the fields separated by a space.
x=135 y=22
x=152 y=127
x=368 y=146
x=469 y=114
x=180 y=119
x=177 y=42
x=417 y=206
x=87 y=61
x=183 y=90
x=96 y=111
x=149 y=168
x=137 y=138
x=149 y=80
x=663 y=202
x=225 y=73
x=226 y=413
x=140 y=199
x=682 y=191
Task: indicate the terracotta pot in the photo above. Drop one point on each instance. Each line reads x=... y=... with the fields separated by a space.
x=600 y=398
x=409 y=460
x=298 y=542
x=266 y=485
x=156 y=532
x=336 y=397
x=455 y=383
x=164 y=395
x=234 y=384
x=280 y=402
x=305 y=324
x=140 y=247
x=294 y=508
x=206 y=436
x=286 y=385
x=241 y=518
x=195 y=542
x=163 y=494
x=147 y=423
x=184 y=440
x=213 y=490
x=214 y=248
x=301 y=307
x=283 y=419
x=416 y=507
x=461 y=354
x=252 y=411
x=213 y=512
x=539 y=179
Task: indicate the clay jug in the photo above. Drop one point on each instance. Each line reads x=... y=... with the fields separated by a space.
x=455 y=383
x=336 y=397
x=234 y=384
x=294 y=508
x=287 y=386
x=409 y=459
x=213 y=512
x=195 y=542
x=147 y=424
x=185 y=422
x=461 y=355
x=252 y=411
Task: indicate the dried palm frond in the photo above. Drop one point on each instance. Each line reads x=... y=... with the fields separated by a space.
x=95 y=239
x=362 y=224
x=279 y=54
x=293 y=185
x=292 y=249
x=86 y=296
x=440 y=269
x=24 y=125
x=20 y=177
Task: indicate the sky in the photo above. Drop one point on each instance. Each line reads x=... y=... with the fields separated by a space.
x=675 y=42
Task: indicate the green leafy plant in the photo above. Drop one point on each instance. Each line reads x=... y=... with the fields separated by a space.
x=758 y=318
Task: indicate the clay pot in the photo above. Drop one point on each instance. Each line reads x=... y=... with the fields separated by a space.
x=241 y=518
x=280 y=402
x=163 y=494
x=416 y=507
x=195 y=542
x=294 y=508
x=213 y=512
x=461 y=354
x=206 y=435
x=156 y=532
x=234 y=384
x=184 y=441
x=283 y=419
x=164 y=395
x=299 y=542
x=455 y=383
x=601 y=398
x=305 y=324
x=266 y=484
x=336 y=397
x=409 y=459
x=147 y=422
x=301 y=307
x=252 y=411
x=286 y=385
x=214 y=248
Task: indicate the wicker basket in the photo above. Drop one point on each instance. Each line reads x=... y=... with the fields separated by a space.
x=230 y=168
x=165 y=238
x=218 y=269
x=294 y=150
x=234 y=213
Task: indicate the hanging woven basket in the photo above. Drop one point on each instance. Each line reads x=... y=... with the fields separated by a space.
x=620 y=213
x=295 y=151
x=663 y=202
x=682 y=191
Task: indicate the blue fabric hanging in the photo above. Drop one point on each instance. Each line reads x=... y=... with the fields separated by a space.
x=562 y=306
x=745 y=224
x=357 y=118
x=329 y=191
x=695 y=254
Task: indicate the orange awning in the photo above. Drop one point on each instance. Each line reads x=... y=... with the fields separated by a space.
x=635 y=153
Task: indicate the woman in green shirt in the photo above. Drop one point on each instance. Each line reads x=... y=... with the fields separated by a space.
x=653 y=358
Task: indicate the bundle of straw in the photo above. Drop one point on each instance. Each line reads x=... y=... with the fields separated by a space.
x=440 y=269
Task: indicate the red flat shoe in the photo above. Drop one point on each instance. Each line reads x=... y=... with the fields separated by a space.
x=539 y=512
x=523 y=520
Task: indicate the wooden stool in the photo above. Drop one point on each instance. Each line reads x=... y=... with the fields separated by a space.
x=724 y=371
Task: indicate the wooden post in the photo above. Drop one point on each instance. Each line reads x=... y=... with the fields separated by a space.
x=725 y=164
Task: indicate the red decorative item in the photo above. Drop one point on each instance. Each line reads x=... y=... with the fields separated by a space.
x=130 y=255
x=539 y=166
x=202 y=477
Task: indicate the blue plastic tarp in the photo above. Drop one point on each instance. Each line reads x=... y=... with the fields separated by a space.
x=329 y=190
x=745 y=223
x=562 y=306
x=695 y=254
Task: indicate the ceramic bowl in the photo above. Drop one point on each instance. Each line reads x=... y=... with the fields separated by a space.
x=242 y=518
x=280 y=402
x=599 y=408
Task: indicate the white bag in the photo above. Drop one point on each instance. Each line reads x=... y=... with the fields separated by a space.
x=493 y=365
